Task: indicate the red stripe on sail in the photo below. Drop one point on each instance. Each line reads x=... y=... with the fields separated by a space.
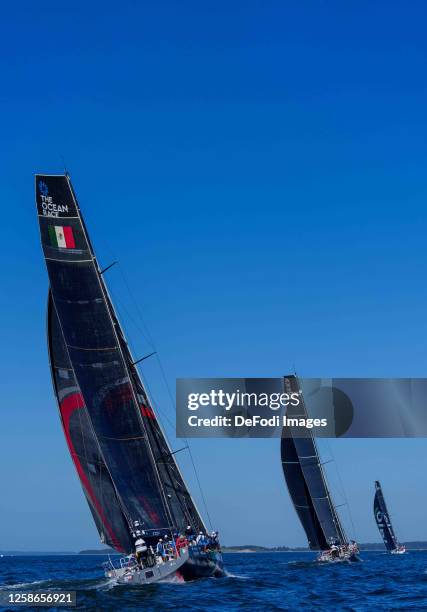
x=147 y=411
x=68 y=405
x=69 y=237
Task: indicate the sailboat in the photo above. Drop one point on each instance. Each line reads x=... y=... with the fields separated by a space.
x=308 y=488
x=382 y=518
x=127 y=470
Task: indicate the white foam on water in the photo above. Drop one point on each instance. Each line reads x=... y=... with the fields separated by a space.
x=173 y=580
x=239 y=576
x=22 y=585
x=106 y=584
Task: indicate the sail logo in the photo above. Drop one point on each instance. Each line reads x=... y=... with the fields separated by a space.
x=48 y=207
x=44 y=189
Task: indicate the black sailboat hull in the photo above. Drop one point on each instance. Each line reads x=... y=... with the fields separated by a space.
x=202 y=565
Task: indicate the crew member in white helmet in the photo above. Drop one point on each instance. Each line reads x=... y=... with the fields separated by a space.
x=141 y=551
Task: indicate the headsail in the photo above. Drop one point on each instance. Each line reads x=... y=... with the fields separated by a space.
x=82 y=443
x=306 y=480
x=148 y=486
x=382 y=519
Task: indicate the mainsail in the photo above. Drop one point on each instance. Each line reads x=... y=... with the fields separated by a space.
x=124 y=462
x=382 y=519
x=306 y=480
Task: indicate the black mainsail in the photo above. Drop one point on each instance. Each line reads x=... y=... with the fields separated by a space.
x=306 y=481
x=383 y=521
x=124 y=462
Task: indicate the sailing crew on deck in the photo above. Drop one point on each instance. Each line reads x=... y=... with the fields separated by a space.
x=151 y=557
x=213 y=540
x=180 y=543
x=160 y=550
x=202 y=540
x=141 y=552
x=334 y=551
x=354 y=547
x=189 y=533
x=170 y=549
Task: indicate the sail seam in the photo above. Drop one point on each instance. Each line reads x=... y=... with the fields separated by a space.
x=69 y=260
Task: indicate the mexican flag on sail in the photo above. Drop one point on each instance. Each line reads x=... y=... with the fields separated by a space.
x=62 y=236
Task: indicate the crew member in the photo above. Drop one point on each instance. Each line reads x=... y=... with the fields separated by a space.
x=180 y=543
x=189 y=533
x=151 y=557
x=334 y=551
x=214 y=540
x=160 y=549
x=141 y=552
x=202 y=540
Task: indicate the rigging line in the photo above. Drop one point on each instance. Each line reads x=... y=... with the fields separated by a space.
x=342 y=489
x=160 y=413
x=202 y=495
x=120 y=306
x=146 y=333
x=147 y=336
x=137 y=307
x=63 y=163
x=187 y=443
x=188 y=508
x=123 y=309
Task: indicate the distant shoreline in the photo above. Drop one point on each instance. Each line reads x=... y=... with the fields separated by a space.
x=245 y=549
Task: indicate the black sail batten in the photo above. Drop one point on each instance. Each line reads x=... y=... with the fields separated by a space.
x=306 y=480
x=94 y=477
x=383 y=521
x=108 y=384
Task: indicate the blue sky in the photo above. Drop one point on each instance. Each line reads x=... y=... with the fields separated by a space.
x=259 y=171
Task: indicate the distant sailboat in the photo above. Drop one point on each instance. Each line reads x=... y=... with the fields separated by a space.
x=128 y=472
x=384 y=525
x=308 y=488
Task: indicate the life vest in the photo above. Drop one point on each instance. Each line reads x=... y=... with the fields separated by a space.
x=140 y=546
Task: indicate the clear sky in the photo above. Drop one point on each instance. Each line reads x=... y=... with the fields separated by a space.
x=259 y=170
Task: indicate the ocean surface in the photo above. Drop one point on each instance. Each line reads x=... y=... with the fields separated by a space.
x=265 y=581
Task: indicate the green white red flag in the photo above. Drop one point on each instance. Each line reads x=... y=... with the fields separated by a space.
x=62 y=236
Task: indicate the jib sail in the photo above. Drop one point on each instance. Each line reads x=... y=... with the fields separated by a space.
x=306 y=480
x=82 y=443
x=147 y=483
x=382 y=519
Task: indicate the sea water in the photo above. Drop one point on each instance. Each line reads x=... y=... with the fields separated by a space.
x=263 y=581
